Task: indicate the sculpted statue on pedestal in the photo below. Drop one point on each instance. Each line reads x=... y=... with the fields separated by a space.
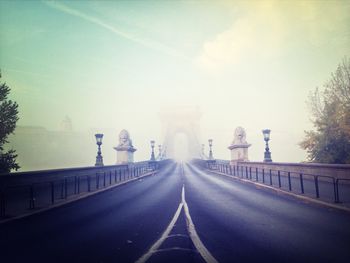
x=239 y=136
x=124 y=139
x=125 y=149
x=239 y=146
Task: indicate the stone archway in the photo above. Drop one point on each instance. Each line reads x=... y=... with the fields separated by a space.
x=184 y=120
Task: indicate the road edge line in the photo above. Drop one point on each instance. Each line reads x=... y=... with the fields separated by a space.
x=304 y=198
x=88 y=194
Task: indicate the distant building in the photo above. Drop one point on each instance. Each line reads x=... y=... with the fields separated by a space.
x=66 y=124
x=39 y=148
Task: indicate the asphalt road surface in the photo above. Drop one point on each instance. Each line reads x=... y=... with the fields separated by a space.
x=181 y=214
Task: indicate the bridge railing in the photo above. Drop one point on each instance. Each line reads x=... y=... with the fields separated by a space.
x=327 y=186
x=23 y=192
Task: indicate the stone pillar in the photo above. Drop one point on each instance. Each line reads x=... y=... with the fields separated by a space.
x=125 y=149
x=239 y=147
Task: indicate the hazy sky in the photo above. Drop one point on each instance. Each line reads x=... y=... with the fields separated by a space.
x=116 y=64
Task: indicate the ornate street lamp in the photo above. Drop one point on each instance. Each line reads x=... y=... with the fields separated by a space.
x=99 y=159
x=164 y=153
x=152 y=154
x=267 y=153
x=210 y=150
x=160 y=152
x=202 y=153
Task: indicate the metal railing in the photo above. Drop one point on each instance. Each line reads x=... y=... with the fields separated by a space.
x=17 y=198
x=324 y=187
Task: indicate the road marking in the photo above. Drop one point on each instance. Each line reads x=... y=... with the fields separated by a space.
x=281 y=191
x=202 y=250
x=164 y=236
x=83 y=196
x=175 y=248
x=178 y=235
x=75 y=198
x=206 y=255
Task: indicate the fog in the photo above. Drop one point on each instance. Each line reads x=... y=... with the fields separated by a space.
x=117 y=65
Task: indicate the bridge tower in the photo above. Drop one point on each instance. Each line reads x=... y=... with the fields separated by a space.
x=182 y=120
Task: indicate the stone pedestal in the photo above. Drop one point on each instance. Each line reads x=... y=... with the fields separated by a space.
x=125 y=154
x=239 y=147
x=125 y=149
x=239 y=152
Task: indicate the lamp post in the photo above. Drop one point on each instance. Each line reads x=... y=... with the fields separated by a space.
x=202 y=153
x=160 y=152
x=267 y=153
x=210 y=141
x=164 y=153
x=152 y=154
x=99 y=159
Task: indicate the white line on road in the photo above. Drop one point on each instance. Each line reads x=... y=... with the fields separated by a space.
x=207 y=256
x=164 y=236
x=203 y=251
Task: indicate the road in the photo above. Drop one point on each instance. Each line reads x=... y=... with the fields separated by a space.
x=181 y=214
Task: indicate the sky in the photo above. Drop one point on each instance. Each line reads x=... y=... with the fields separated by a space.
x=113 y=65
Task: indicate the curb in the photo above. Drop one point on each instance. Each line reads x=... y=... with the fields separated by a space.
x=277 y=190
x=74 y=199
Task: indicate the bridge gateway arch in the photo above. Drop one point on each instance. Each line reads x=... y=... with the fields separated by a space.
x=181 y=120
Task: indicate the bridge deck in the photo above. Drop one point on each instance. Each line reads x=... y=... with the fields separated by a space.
x=234 y=222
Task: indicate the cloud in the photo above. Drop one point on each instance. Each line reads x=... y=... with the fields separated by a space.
x=254 y=33
x=267 y=29
x=144 y=42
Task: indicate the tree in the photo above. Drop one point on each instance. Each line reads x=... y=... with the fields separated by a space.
x=8 y=119
x=330 y=110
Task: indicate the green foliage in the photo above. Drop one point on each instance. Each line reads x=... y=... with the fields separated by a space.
x=330 y=109
x=8 y=119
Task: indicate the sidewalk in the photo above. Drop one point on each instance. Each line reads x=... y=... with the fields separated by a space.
x=332 y=205
x=27 y=200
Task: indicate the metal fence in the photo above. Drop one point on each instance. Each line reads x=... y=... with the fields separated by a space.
x=324 y=187
x=21 y=197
